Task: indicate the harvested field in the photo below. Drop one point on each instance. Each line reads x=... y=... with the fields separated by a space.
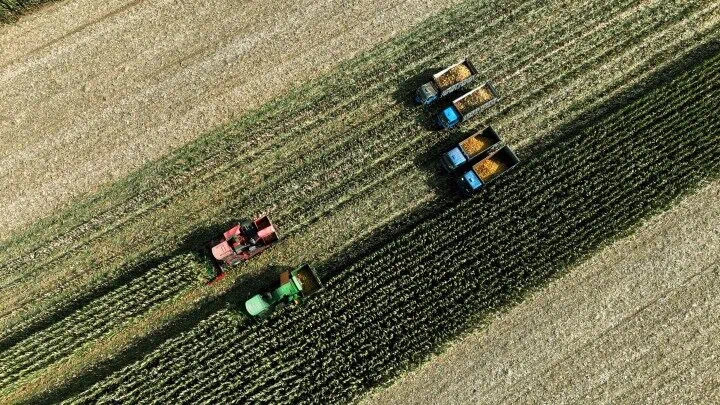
x=384 y=312
x=98 y=85
x=314 y=160
x=636 y=321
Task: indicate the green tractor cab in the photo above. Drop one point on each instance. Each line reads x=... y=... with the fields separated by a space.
x=294 y=285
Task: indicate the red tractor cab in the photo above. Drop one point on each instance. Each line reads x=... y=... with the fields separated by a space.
x=242 y=242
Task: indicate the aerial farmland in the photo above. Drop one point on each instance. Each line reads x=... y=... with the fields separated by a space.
x=359 y=202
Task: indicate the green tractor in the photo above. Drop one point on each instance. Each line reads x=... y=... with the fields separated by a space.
x=294 y=285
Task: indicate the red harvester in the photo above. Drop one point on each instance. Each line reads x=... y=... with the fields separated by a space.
x=242 y=242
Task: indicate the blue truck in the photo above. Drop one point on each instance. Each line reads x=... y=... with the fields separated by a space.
x=468 y=105
x=470 y=148
x=446 y=81
x=487 y=170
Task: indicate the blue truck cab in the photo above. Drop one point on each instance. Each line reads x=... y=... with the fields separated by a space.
x=487 y=170
x=469 y=149
x=449 y=117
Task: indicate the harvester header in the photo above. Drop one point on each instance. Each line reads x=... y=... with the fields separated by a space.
x=242 y=242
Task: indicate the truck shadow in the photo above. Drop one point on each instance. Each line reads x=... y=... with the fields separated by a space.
x=405 y=92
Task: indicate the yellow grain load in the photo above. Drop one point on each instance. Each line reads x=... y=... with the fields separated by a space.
x=308 y=281
x=475 y=144
x=452 y=76
x=475 y=99
x=486 y=169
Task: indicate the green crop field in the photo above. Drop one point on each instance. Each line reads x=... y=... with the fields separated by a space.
x=607 y=104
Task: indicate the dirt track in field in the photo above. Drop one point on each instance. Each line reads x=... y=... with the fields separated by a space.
x=638 y=322
x=92 y=91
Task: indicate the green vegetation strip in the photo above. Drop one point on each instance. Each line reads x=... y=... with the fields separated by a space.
x=11 y=10
x=386 y=311
x=94 y=319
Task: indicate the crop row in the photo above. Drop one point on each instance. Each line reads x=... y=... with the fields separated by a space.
x=315 y=184
x=387 y=311
x=96 y=318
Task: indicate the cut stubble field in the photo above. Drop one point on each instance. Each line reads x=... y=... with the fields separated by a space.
x=313 y=153
x=137 y=79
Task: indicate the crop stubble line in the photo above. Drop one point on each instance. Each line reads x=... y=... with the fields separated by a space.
x=665 y=47
x=678 y=373
x=182 y=106
x=637 y=37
